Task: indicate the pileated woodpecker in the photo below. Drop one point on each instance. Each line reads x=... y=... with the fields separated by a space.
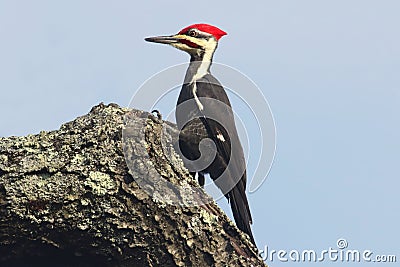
x=204 y=111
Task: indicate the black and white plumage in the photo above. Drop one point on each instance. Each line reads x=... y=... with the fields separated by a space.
x=204 y=112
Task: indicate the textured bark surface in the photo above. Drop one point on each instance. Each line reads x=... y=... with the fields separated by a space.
x=67 y=198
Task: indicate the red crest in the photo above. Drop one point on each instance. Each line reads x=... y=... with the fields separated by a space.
x=216 y=32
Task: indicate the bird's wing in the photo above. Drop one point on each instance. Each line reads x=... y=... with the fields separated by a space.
x=222 y=130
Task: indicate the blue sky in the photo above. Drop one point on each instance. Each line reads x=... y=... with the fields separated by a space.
x=329 y=70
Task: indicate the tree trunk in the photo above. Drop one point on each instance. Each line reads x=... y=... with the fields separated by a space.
x=68 y=198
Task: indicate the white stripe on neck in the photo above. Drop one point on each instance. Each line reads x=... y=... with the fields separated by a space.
x=203 y=69
x=194 y=90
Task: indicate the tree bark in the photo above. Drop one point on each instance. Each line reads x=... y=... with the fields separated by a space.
x=68 y=198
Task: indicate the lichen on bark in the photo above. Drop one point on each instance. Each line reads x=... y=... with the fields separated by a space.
x=68 y=198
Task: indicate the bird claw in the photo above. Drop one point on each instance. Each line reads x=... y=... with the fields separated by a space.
x=157 y=119
x=159 y=116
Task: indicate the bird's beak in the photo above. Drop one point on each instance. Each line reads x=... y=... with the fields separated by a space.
x=163 y=39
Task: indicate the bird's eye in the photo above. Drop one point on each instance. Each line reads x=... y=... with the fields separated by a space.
x=192 y=33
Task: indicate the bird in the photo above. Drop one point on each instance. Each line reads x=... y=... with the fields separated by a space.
x=204 y=112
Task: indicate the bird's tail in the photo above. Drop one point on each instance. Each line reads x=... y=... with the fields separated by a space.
x=240 y=209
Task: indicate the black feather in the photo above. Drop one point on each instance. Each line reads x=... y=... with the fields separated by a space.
x=228 y=169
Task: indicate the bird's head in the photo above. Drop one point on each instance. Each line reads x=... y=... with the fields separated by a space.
x=196 y=39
